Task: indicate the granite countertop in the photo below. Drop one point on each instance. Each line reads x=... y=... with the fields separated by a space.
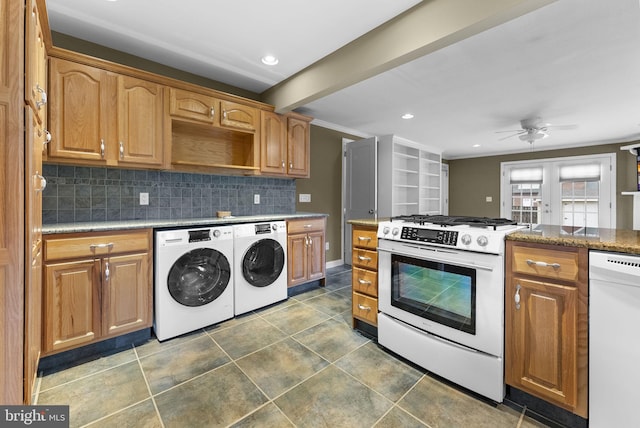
x=371 y=222
x=616 y=240
x=163 y=224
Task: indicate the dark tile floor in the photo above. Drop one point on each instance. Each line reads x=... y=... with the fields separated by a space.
x=295 y=364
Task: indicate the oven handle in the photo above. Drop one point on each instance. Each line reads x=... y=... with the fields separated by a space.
x=469 y=265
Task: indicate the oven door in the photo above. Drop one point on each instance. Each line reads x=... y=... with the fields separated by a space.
x=456 y=295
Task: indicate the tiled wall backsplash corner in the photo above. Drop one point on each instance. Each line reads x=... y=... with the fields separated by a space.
x=77 y=194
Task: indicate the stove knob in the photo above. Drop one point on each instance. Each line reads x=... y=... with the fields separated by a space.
x=274 y=227
x=482 y=240
x=385 y=230
x=466 y=239
x=216 y=233
x=395 y=231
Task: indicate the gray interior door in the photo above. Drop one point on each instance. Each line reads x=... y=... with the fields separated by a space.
x=360 y=185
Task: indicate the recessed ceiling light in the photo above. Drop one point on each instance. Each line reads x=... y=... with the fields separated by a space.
x=476 y=145
x=269 y=60
x=407 y=116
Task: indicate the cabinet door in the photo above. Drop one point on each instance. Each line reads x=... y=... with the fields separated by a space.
x=36 y=62
x=193 y=106
x=126 y=294
x=239 y=116
x=80 y=101
x=140 y=115
x=540 y=351
x=316 y=254
x=298 y=147
x=32 y=322
x=72 y=304
x=297 y=259
x=273 y=145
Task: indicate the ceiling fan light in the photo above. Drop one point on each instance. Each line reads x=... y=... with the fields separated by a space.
x=407 y=116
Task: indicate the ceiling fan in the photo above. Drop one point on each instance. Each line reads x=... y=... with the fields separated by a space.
x=533 y=129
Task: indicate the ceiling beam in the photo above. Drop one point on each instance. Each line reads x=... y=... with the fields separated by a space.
x=425 y=28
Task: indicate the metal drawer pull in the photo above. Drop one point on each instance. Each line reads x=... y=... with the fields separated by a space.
x=102 y=149
x=516 y=298
x=307 y=226
x=121 y=150
x=212 y=112
x=363 y=258
x=544 y=264
x=364 y=308
x=96 y=246
x=364 y=281
x=43 y=182
x=364 y=238
x=106 y=272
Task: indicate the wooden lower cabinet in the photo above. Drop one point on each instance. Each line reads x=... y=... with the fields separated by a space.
x=546 y=323
x=364 y=274
x=95 y=287
x=305 y=251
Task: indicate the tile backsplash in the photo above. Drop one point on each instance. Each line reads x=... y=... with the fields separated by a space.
x=76 y=194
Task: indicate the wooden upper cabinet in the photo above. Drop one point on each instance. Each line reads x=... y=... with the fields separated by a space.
x=140 y=116
x=193 y=106
x=273 y=144
x=239 y=116
x=80 y=101
x=298 y=146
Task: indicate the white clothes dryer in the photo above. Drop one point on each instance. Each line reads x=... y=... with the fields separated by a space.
x=193 y=278
x=260 y=258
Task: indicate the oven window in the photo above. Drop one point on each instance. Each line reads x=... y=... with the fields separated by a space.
x=436 y=291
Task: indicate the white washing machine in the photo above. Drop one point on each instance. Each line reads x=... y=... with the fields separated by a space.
x=260 y=260
x=193 y=277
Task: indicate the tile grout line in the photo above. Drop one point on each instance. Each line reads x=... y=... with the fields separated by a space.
x=146 y=381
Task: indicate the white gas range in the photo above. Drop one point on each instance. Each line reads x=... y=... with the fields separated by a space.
x=441 y=296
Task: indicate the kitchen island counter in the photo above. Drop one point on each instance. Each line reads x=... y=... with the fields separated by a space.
x=370 y=222
x=615 y=240
x=166 y=223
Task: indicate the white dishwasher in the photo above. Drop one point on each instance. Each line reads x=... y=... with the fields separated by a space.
x=614 y=339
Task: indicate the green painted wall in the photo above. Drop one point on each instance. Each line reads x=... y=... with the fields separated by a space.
x=325 y=184
x=471 y=180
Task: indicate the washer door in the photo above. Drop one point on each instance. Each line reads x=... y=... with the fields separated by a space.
x=199 y=277
x=263 y=262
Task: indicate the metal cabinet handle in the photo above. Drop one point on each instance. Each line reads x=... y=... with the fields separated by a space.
x=284 y=165
x=43 y=96
x=310 y=241
x=96 y=246
x=212 y=112
x=364 y=238
x=121 y=150
x=102 y=148
x=364 y=281
x=307 y=226
x=290 y=165
x=363 y=258
x=364 y=308
x=516 y=298
x=224 y=114
x=106 y=271
x=543 y=264
x=43 y=182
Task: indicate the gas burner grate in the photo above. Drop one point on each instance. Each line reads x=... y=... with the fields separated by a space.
x=444 y=220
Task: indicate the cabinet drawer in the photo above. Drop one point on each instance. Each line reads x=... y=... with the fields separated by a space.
x=303 y=226
x=365 y=281
x=71 y=246
x=362 y=238
x=546 y=262
x=364 y=258
x=365 y=308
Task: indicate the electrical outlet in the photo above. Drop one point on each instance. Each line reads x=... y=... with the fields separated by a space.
x=304 y=197
x=144 y=198
x=489 y=199
x=326 y=246
x=256 y=198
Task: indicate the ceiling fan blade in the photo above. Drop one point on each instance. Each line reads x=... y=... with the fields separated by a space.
x=561 y=127
x=510 y=130
x=512 y=135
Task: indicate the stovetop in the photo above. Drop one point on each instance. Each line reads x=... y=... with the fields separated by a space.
x=445 y=220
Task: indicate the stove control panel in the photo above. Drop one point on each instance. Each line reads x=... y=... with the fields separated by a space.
x=431 y=236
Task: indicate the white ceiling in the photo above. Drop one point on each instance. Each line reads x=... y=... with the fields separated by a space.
x=573 y=62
